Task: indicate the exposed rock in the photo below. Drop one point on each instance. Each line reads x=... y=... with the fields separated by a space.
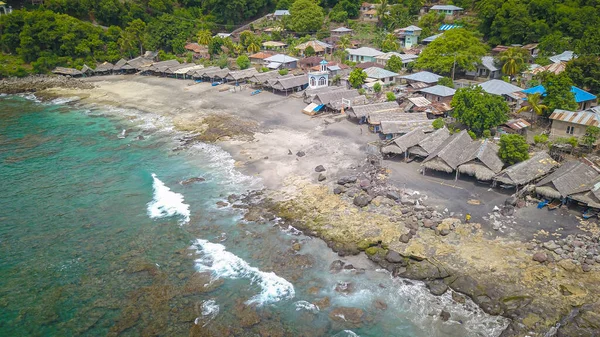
x=362 y=200
x=339 y=190
x=458 y=298
x=191 y=181
x=511 y=201
x=379 y=304
x=444 y=315
x=222 y=204
x=347 y=180
x=336 y=266
x=428 y=223
x=319 y=168
x=405 y=238
x=321 y=177
x=540 y=257
x=586 y=268
x=437 y=287
x=406 y=201
x=323 y=303
x=508 y=210
x=392 y=195
x=394 y=257
x=41 y=82
x=300 y=154
x=349 y=317
x=344 y=288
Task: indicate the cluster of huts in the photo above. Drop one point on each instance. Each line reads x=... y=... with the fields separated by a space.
x=577 y=180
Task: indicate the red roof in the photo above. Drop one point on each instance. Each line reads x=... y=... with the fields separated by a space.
x=366 y=65
x=261 y=55
x=196 y=48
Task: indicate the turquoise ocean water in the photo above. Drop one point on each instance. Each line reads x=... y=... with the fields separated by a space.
x=98 y=237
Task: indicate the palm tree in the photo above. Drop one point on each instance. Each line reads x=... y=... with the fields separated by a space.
x=534 y=106
x=204 y=37
x=390 y=43
x=253 y=47
x=511 y=59
x=344 y=42
x=382 y=12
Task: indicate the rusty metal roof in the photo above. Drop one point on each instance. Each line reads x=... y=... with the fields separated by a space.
x=517 y=124
x=587 y=117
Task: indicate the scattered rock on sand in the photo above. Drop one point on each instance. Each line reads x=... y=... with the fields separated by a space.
x=444 y=315
x=347 y=180
x=319 y=168
x=540 y=257
x=300 y=154
x=321 y=177
x=362 y=200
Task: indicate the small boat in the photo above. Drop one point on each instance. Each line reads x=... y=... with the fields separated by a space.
x=554 y=204
x=255 y=92
x=123 y=134
x=542 y=204
x=214 y=84
x=590 y=213
x=507 y=186
x=198 y=81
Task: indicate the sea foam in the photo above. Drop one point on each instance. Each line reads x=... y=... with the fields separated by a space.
x=167 y=203
x=223 y=264
x=210 y=310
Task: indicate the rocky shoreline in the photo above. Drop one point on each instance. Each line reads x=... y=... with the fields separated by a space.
x=40 y=82
x=397 y=230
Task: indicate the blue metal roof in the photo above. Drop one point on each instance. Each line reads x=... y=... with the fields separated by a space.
x=447 y=27
x=580 y=94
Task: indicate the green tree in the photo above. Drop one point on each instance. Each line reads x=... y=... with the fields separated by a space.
x=283 y=71
x=479 y=110
x=513 y=60
x=585 y=72
x=338 y=14
x=305 y=16
x=246 y=38
x=446 y=81
x=215 y=44
x=589 y=44
x=558 y=92
x=204 y=36
x=254 y=47
x=438 y=123
x=399 y=17
x=357 y=78
x=456 y=46
x=591 y=136
x=513 y=149
x=132 y=38
x=243 y=62
x=534 y=105
x=390 y=97
x=394 y=64
x=390 y=43
x=344 y=42
x=377 y=88
x=284 y=4
x=382 y=13
x=309 y=51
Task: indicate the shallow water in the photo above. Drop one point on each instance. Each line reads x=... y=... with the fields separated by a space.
x=98 y=237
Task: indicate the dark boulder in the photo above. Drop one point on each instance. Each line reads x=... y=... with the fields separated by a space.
x=347 y=180
x=437 y=287
x=444 y=315
x=336 y=266
x=362 y=200
x=394 y=257
x=393 y=195
x=300 y=154
x=319 y=168
x=338 y=190
x=321 y=177
x=540 y=257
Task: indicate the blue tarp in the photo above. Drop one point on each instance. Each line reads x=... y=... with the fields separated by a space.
x=319 y=107
x=446 y=27
x=580 y=94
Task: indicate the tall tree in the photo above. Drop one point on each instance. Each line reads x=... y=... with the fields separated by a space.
x=394 y=64
x=357 y=78
x=513 y=60
x=558 y=92
x=204 y=37
x=585 y=72
x=344 y=42
x=382 y=13
x=133 y=36
x=457 y=46
x=479 y=110
x=591 y=136
x=243 y=62
x=305 y=16
x=390 y=43
x=513 y=149
x=535 y=106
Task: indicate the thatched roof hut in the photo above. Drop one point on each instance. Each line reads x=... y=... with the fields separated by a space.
x=87 y=70
x=104 y=67
x=119 y=65
x=242 y=75
x=337 y=95
x=430 y=143
x=446 y=157
x=67 y=71
x=400 y=145
x=220 y=75
x=527 y=171
x=354 y=101
x=571 y=177
x=198 y=73
x=290 y=83
x=590 y=195
x=361 y=111
x=481 y=160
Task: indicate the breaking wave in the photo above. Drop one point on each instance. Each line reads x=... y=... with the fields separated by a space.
x=304 y=305
x=223 y=264
x=167 y=203
x=210 y=310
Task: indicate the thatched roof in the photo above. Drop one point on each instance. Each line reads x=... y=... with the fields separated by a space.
x=434 y=140
x=354 y=101
x=141 y=62
x=87 y=70
x=478 y=170
x=527 y=171
x=264 y=77
x=220 y=74
x=160 y=66
x=189 y=70
x=173 y=69
x=214 y=72
x=438 y=164
x=404 y=142
x=67 y=71
x=119 y=65
x=485 y=153
x=364 y=110
x=201 y=72
x=242 y=74
x=591 y=195
x=310 y=93
x=104 y=67
x=548 y=192
x=327 y=97
x=571 y=177
x=397 y=127
x=450 y=151
x=290 y=82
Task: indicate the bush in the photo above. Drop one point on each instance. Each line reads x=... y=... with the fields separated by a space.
x=472 y=134
x=513 y=149
x=362 y=91
x=377 y=87
x=564 y=140
x=283 y=72
x=486 y=134
x=264 y=69
x=438 y=123
x=540 y=139
x=390 y=96
x=243 y=62
x=446 y=81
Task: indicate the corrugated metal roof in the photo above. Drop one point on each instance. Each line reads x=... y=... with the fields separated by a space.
x=580 y=94
x=423 y=76
x=341 y=30
x=419 y=101
x=488 y=62
x=439 y=90
x=563 y=57
x=499 y=87
x=517 y=124
x=588 y=118
x=364 y=51
x=431 y=38
x=446 y=8
x=281 y=58
x=281 y=12
x=448 y=27
x=378 y=73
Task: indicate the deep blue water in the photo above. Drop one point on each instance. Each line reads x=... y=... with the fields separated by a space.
x=92 y=244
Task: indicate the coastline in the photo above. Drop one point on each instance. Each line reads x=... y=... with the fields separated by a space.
x=499 y=275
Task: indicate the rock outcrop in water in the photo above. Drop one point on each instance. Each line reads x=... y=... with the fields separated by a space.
x=41 y=82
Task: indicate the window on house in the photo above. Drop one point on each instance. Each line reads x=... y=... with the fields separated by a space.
x=362 y=58
x=570 y=130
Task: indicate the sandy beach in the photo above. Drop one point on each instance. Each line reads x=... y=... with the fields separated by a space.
x=269 y=137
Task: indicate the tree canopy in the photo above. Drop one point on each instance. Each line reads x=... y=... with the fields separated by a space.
x=585 y=72
x=513 y=149
x=394 y=64
x=478 y=110
x=558 y=92
x=243 y=62
x=458 y=45
x=305 y=16
x=357 y=77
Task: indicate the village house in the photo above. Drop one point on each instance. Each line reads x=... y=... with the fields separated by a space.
x=572 y=123
x=448 y=10
x=370 y=15
x=421 y=79
x=565 y=56
x=536 y=69
x=320 y=48
x=438 y=93
x=320 y=78
x=379 y=74
x=417 y=142
x=280 y=14
x=430 y=39
x=447 y=156
x=499 y=87
x=281 y=61
x=274 y=45
x=571 y=177
x=341 y=31
x=408 y=36
x=260 y=57
x=365 y=6
x=533 y=50
x=406 y=58
x=480 y=160
x=518 y=126
x=485 y=69
x=526 y=172
x=366 y=65
x=363 y=54
x=583 y=98
x=309 y=62
x=198 y=50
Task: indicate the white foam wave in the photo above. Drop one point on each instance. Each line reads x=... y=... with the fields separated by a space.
x=30 y=97
x=223 y=264
x=167 y=203
x=304 y=305
x=65 y=100
x=346 y=333
x=210 y=310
